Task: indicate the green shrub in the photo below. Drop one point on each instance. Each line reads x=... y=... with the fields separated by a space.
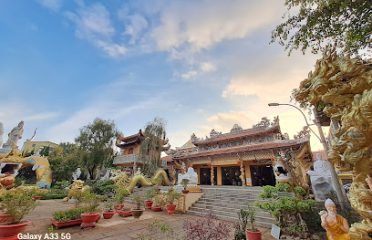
x=54 y=194
x=120 y=194
x=89 y=201
x=104 y=187
x=17 y=203
x=61 y=184
x=282 y=187
x=70 y=214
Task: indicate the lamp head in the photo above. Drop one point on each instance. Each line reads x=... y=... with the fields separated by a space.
x=273 y=104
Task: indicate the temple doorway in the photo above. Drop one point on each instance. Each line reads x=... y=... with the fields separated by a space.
x=230 y=176
x=205 y=176
x=262 y=175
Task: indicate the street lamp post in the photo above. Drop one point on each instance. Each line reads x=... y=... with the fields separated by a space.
x=339 y=191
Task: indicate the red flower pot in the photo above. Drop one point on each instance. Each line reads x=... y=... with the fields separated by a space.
x=156 y=209
x=119 y=206
x=171 y=208
x=11 y=231
x=68 y=223
x=253 y=235
x=148 y=204
x=5 y=218
x=125 y=213
x=89 y=219
x=37 y=197
x=108 y=215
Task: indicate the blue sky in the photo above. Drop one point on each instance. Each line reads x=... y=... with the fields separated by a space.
x=197 y=64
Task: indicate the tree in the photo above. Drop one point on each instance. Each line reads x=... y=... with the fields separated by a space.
x=153 y=145
x=64 y=161
x=95 y=143
x=342 y=24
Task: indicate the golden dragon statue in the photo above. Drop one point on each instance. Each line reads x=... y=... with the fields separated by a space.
x=123 y=180
x=11 y=161
x=342 y=86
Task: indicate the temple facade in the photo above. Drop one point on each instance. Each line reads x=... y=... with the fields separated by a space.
x=257 y=156
x=128 y=156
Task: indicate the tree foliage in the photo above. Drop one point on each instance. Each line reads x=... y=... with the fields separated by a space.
x=343 y=24
x=152 y=145
x=64 y=161
x=95 y=143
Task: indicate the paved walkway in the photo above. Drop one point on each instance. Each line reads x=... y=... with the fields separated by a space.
x=112 y=229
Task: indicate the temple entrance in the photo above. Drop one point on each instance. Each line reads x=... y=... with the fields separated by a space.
x=262 y=175
x=205 y=176
x=230 y=176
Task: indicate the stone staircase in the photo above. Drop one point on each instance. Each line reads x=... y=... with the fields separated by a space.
x=226 y=201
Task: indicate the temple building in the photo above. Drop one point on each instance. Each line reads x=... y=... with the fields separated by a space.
x=129 y=150
x=128 y=157
x=247 y=157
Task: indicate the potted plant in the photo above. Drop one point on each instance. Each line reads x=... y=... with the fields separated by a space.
x=67 y=218
x=137 y=210
x=171 y=197
x=253 y=233
x=120 y=194
x=158 y=203
x=184 y=183
x=148 y=196
x=15 y=204
x=109 y=210
x=90 y=215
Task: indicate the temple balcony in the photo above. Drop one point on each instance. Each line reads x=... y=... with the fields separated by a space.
x=129 y=158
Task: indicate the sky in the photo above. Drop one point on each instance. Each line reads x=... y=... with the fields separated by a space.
x=198 y=64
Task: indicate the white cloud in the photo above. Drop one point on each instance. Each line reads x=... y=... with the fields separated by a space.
x=93 y=23
x=189 y=75
x=207 y=67
x=202 y=25
x=53 y=5
x=135 y=25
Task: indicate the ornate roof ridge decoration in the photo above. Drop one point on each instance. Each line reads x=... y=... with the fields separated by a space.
x=253 y=147
x=121 y=140
x=256 y=130
x=305 y=132
x=236 y=128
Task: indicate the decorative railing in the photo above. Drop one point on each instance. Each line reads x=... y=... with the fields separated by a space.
x=130 y=158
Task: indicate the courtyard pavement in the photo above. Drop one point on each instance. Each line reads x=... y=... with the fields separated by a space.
x=112 y=229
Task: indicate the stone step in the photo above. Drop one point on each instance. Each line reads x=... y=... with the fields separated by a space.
x=258 y=222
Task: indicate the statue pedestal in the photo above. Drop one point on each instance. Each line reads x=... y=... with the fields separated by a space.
x=193 y=188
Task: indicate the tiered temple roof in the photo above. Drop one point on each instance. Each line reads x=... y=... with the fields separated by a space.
x=130 y=140
x=262 y=141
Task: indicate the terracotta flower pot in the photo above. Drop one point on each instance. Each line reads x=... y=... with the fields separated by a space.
x=156 y=209
x=108 y=214
x=11 y=231
x=5 y=218
x=119 y=206
x=89 y=219
x=253 y=235
x=148 y=204
x=137 y=212
x=185 y=191
x=37 y=197
x=171 y=208
x=125 y=213
x=68 y=223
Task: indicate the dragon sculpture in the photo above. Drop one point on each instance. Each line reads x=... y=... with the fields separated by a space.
x=11 y=161
x=123 y=180
x=342 y=86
